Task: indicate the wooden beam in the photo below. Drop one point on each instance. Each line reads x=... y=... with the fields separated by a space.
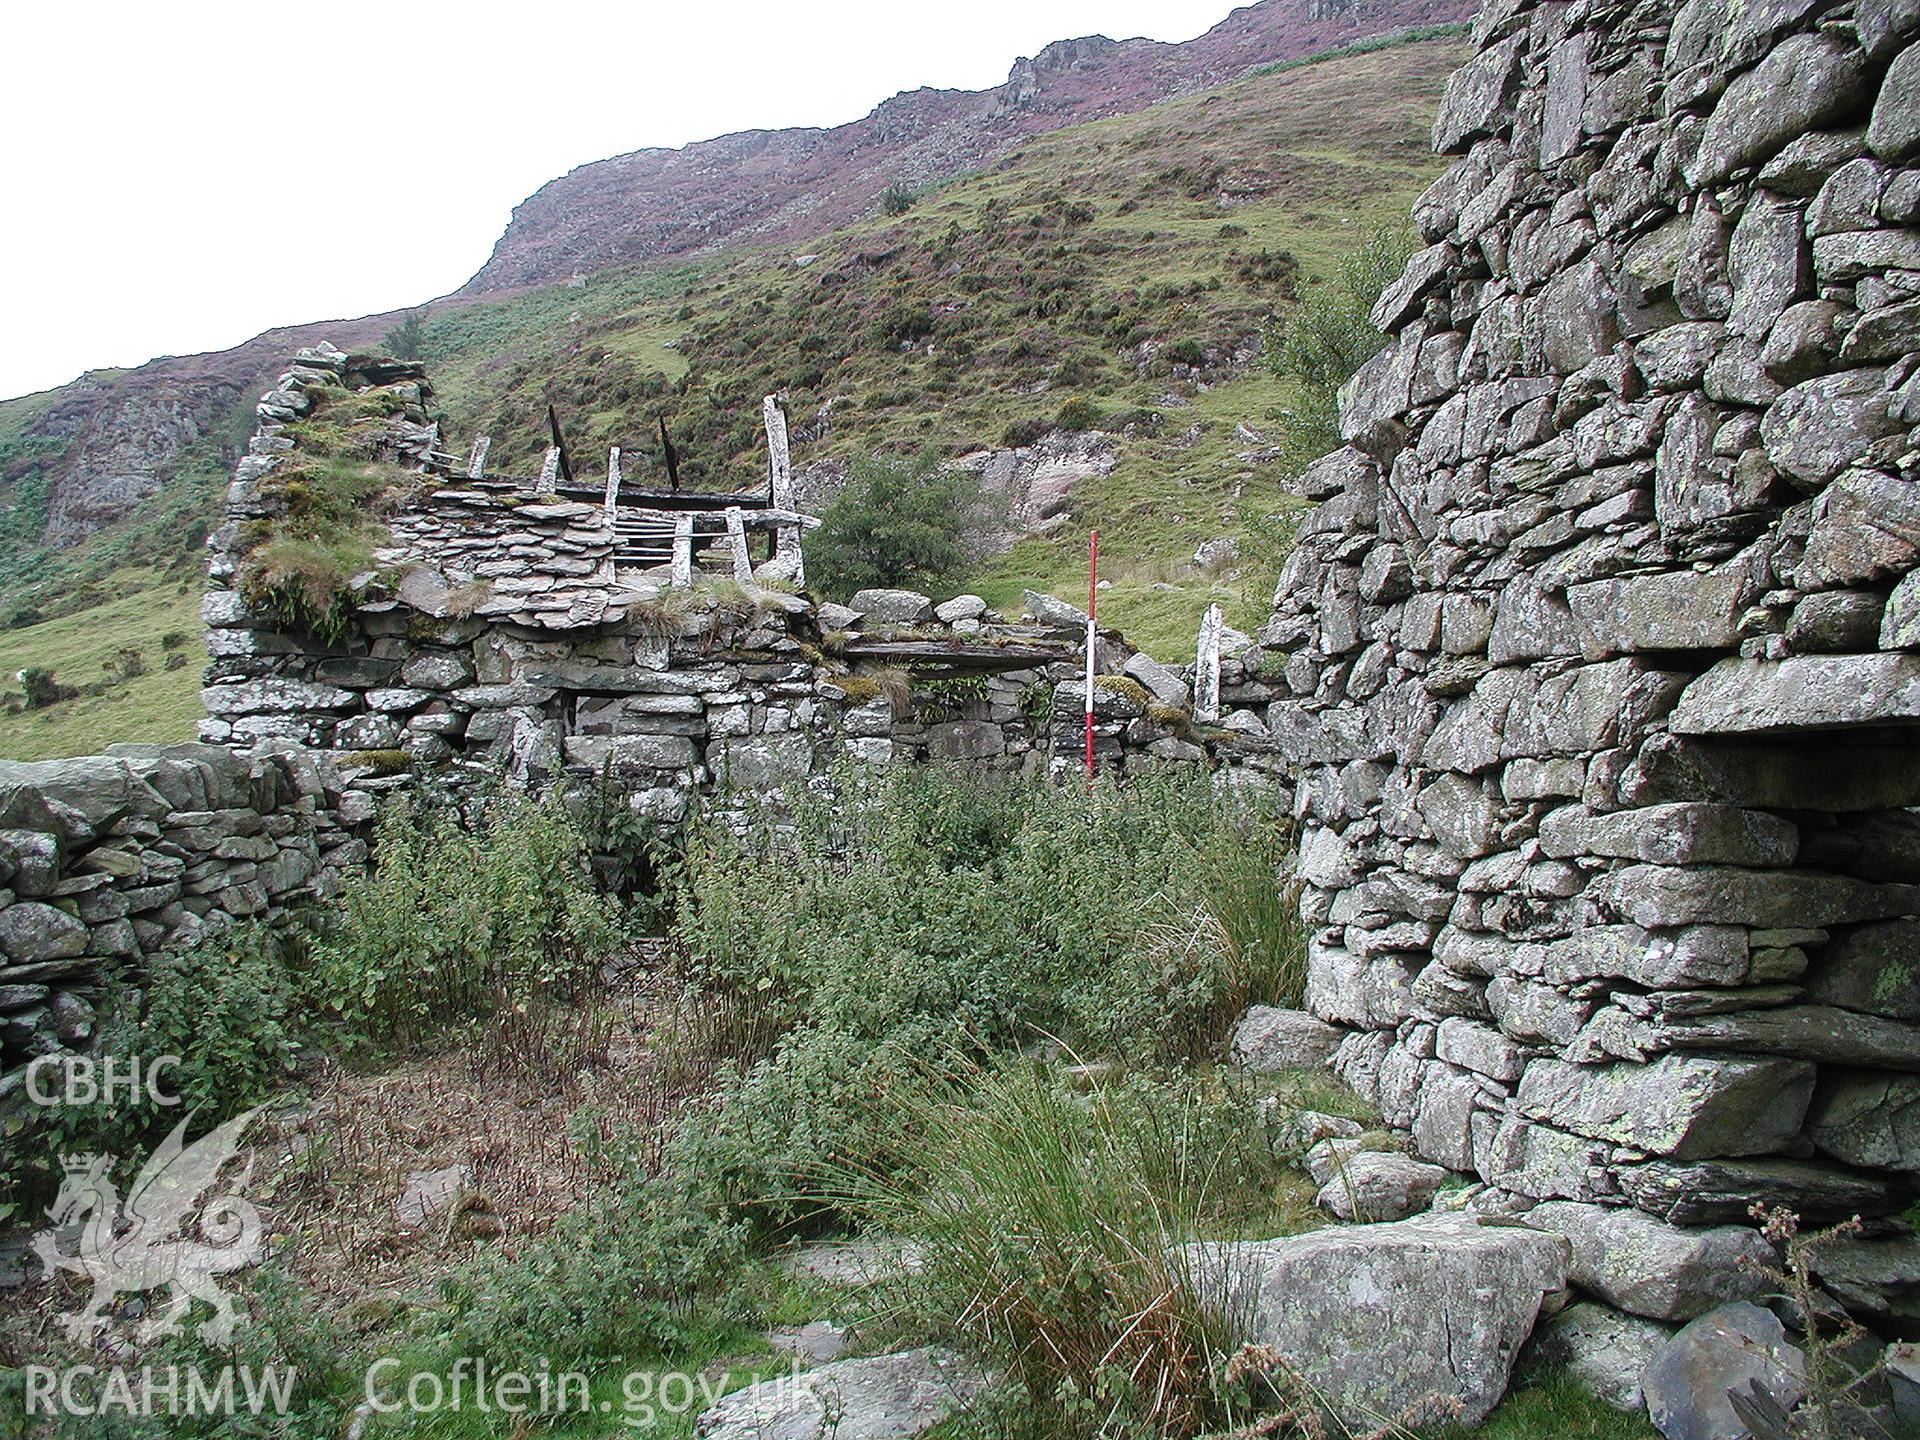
x=956 y=655
x=560 y=444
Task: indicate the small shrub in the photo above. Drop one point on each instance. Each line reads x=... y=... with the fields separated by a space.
x=225 y=1008
x=24 y=616
x=1079 y=414
x=646 y=1268
x=407 y=340
x=896 y=199
x=301 y=584
x=1329 y=337
x=174 y=640
x=1021 y=433
x=897 y=522
x=41 y=689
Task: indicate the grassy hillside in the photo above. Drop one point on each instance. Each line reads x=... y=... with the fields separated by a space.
x=1074 y=277
x=154 y=615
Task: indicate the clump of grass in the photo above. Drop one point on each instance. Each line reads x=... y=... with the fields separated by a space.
x=378 y=762
x=326 y=494
x=860 y=689
x=301 y=581
x=1051 y=1227
x=464 y=600
x=1172 y=717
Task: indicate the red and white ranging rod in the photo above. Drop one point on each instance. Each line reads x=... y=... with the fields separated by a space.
x=1093 y=601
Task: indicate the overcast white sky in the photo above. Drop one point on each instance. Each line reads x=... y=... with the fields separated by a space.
x=178 y=176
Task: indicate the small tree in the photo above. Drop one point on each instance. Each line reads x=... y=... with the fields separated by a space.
x=406 y=340
x=41 y=689
x=897 y=522
x=1329 y=337
x=896 y=199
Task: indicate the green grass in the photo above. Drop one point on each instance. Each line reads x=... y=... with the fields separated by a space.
x=161 y=705
x=1554 y=1407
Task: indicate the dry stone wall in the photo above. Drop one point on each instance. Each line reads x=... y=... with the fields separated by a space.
x=108 y=860
x=1601 y=650
x=497 y=632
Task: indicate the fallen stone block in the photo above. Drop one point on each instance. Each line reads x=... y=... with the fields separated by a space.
x=1269 y=1039
x=1405 y=1320
x=1738 y=1345
x=1602 y=1350
x=1377 y=1185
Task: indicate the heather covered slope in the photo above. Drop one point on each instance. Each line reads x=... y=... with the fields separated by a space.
x=777 y=187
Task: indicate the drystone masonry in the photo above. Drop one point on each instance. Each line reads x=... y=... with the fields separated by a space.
x=1603 y=649
x=111 y=859
x=500 y=630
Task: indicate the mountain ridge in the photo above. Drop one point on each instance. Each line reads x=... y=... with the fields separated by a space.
x=773 y=186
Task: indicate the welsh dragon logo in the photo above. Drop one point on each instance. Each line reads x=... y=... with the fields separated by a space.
x=134 y=1247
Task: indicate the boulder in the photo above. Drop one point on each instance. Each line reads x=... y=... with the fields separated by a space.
x=1420 y=1319
x=1049 y=611
x=1650 y=1268
x=1269 y=1039
x=892 y=607
x=1602 y=1351
x=1378 y=1185
x=885 y=1397
x=1736 y=1346
x=1327 y=1156
x=1301 y=1129
x=960 y=607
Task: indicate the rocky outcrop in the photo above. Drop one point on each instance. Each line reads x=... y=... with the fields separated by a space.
x=1601 y=678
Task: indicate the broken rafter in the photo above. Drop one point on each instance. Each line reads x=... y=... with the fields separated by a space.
x=560 y=445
